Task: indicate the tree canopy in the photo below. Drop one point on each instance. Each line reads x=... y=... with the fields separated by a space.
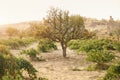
x=61 y=27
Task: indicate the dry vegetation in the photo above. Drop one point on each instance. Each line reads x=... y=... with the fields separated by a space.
x=40 y=46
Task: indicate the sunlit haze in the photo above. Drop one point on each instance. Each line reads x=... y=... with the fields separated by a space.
x=13 y=11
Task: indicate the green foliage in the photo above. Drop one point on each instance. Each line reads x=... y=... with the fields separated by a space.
x=97 y=45
x=91 y=68
x=61 y=27
x=42 y=78
x=16 y=43
x=76 y=44
x=9 y=77
x=113 y=73
x=12 y=67
x=46 y=45
x=94 y=44
x=117 y=46
x=98 y=51
x=31 y=52
x=27 y=66
x=100 y=56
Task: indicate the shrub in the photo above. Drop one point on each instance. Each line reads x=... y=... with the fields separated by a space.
x=100 y=57
x=15 y=66
x=113 y=73
x=12 y=67
x=98 y=50
x=97 y=45
x=27 y=66
x=4 y=50
x=75 y=44
x=9 y=77
x=46 y=45
x=91 y=68
x=31 y=52
x=42 y=78
x=117 y=46
x=94 y=44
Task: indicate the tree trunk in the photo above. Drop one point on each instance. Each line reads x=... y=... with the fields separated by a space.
x=64 y=47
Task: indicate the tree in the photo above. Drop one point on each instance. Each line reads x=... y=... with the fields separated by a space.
x=61 y=27
x=11 y=31
x=117 y=33
x=21 y=34
x=35 y=29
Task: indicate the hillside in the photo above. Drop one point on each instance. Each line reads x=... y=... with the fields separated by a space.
x=99 y=26
x=19 y=26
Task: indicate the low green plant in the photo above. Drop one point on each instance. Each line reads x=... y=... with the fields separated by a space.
x=12 y=67
x=91 y=68
x=41 y=78
x=113 y=73
x=27 y=66
x=117 y=46
x=75 y=44
x=9 y=77
x=93 y=44
x=31 y=52
x=100 y=57
x=76 y=69
x=46 y=45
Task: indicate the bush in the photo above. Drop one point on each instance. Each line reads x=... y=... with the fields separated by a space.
x=117 y=46
x=31 y=52
x=12 y=67
x=97 y=45
x=9 y=77
x=100 y=57
x=91 y=68
x=15 y=66
x=27 y=66
x=75 y=44
x=46 y=45
x=113 y=73
x=89 y=45
x=4 y=50
x=42 y=78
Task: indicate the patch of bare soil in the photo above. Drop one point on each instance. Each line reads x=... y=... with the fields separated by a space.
x=58 y=68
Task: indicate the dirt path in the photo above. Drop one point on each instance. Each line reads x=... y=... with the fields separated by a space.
x=58 y=68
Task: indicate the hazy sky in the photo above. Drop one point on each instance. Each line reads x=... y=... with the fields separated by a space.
x=12 y=11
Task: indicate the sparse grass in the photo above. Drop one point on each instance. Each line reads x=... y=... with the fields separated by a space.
x=16 y=43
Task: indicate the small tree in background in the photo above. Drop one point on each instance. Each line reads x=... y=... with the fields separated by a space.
x=36 y=30
x=21 y=34
x=11 y=31
x=61 y=27
x=117 y=33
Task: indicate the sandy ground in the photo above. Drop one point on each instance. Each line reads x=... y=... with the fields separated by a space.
x=58 y=68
